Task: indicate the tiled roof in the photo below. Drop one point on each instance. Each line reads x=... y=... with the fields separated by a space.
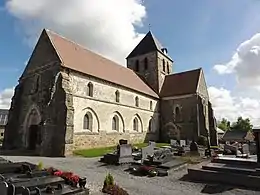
x=3 y=116
x=78 y=58
x=182 y=83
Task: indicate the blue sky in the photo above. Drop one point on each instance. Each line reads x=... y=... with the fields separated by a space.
x=197 y=33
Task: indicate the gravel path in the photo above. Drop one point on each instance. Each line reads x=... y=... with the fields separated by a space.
x=95 y=174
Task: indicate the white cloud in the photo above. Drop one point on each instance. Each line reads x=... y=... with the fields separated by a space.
x=244 y=100
x=230 y=106
x=107 y=27
x=245 y=63
x=5 y=98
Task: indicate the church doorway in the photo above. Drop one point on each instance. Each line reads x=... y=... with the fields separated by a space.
x=32 y=133
x=33 y=137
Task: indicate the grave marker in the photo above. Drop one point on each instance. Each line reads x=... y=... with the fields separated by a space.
x=147 y=151
x=182 y=142
x=245 y=149
x=125 y=153
x=173 y=143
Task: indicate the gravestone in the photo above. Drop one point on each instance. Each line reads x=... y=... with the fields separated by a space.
x=193 y=147
x=125 y=154
x=173 y=143
x=147 y=151
x=245 y=149
x=182 y=143
x=123 y=141
x=152 y=144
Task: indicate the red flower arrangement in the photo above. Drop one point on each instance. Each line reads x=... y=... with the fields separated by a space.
x=69 y=177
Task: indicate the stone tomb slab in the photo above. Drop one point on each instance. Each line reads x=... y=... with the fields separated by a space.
x=229 y=168
x=174 y=163
x=4 y=188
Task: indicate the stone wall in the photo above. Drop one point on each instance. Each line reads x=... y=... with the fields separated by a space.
x=38 y=99
x=154 y=74
x=103 y=106
x=186 y=126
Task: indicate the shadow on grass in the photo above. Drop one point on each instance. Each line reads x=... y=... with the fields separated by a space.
x=215 y=188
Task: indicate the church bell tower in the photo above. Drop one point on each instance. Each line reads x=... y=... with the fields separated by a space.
x=150 y=60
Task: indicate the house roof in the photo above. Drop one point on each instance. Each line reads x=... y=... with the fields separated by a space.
x=148 y=44
x=78 y=58
x=182 y=83
x=234 y=135
x=3 y=116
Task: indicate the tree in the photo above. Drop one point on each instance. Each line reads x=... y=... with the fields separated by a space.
x=242 y=125
x=224 y=124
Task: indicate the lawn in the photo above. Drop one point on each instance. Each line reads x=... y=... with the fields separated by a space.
x=96 y=152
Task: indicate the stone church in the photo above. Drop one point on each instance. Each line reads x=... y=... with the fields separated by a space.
x=69 y=97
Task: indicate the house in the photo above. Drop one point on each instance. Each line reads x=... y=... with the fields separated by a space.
x=238 y=136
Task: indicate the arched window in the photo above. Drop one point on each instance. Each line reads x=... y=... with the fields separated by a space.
x=177 y=114
x=168 y=68
x=145 y=63
x=87 y=123
x=137 y=65
x=135 y=124
x=150 y=126
x=151 y=105
x=163 y=63
x=115 y=123
x=117 y=96
x=90 y=89
x=136 y=101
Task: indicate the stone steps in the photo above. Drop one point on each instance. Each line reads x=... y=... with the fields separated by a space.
x=249 y=181
x=236 y=161
x=227 y=168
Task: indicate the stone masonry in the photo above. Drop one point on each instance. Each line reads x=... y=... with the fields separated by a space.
x=56 y=109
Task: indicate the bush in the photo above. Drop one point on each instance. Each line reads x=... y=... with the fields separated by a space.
x=111 y=188
x=109 y=180
x=40 y=166
x=202 y=140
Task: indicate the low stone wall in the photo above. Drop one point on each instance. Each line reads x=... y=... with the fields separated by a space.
x=84 y=141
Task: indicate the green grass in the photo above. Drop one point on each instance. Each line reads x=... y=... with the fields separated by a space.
x=96 y=152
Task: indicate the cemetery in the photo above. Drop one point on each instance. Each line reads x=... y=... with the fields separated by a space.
x=239 y=168
x=23 y=178
x=151 y=160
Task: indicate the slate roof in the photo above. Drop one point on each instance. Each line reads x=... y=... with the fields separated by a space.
x=182 y=83
x=3 y=116
x=78 y=58
x=148 y=44
x=234 y=135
